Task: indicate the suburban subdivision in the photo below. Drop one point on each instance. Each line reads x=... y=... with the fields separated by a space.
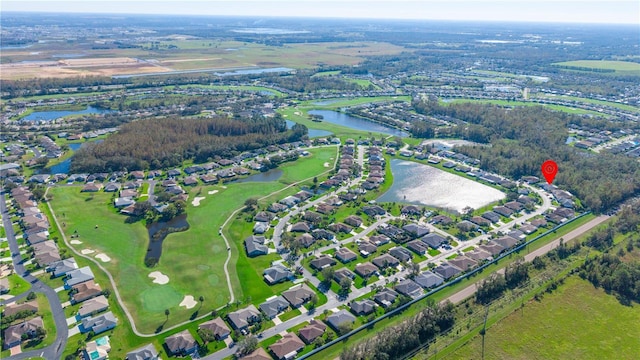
x=362 y=190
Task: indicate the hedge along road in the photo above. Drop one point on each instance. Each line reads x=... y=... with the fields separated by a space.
x=119 y=298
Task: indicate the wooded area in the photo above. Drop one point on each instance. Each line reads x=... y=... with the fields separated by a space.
x=164 y=143
x=522 y=138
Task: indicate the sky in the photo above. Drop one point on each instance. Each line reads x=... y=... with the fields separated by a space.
x=573 y=11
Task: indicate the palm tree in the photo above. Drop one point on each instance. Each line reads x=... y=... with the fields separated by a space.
x=166 y=313
x=201 y=299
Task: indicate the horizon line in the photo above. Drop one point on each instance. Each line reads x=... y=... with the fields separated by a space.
x=319 y=17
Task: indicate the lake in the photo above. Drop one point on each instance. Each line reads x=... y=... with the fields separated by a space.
x=420 y=184
x=356 y=123
x=52 y=115
x=267 y=176
x=64 y=166
x=158 y=231
x=217 y=72
x=312 y=132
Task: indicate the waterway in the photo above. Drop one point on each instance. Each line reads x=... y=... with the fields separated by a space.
x=420 y=184
x=313 y=133
x=52 y=115
x=158 y=231
x=267 y=176
x=64 y=166
x=356 y=123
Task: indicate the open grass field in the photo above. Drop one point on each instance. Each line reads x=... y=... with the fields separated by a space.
x=193 y=260
x=620 y=67
x=184 y=54
x=597 y=102
x=577 y=321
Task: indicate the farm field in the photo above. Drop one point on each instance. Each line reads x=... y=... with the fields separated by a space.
x=43 y=60
x=619 y=67
x=567 y=324
x=193 y=260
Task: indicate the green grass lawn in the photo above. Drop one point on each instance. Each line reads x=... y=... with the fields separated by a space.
x=17 y=285
x=510 y=103
x=290 y=314
x=617 y=66
x=577 y=321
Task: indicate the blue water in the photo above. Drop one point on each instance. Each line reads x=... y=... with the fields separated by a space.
x=326 y=102
x=267 y=176
x=352 y=122
x=63 y=167
x=52 y=115
x=312 y=132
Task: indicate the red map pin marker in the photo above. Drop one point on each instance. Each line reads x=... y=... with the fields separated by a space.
x=549 y=170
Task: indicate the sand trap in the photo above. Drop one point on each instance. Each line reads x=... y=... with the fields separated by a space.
x=87 y=251
x=103 y=257
x=188 y=302
x=326 y=164
x=75 y=242
x=196 y=200
x=213 y=192
x=159 y=278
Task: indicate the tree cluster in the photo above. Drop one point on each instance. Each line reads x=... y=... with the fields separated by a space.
x=394 y=342
x=164 y=143
x=524 y=137
x=612 y=274
x=493 y=287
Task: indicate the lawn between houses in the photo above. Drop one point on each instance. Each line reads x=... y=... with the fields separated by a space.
x=193 y=260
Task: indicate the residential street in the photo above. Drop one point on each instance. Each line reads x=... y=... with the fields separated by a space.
x=53 y=351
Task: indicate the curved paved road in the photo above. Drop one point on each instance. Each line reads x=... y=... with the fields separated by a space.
x=53 y=351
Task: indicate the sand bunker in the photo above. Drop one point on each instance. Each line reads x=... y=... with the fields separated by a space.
x=326 y=164
x=87 y=251
x=159 y=278
x=188 y=302
x=103 y=257
x=196 y=200
x=213 y=192
x=75 y=242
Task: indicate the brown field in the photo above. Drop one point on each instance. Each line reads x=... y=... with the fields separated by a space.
x=182 y=54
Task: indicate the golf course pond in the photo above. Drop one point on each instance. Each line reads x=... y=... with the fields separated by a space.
x=158 y=231
x=419 y=184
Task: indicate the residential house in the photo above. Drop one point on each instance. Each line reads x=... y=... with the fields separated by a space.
x=277 y=274
x=271 y=308
x=341 y=317
x=385 y=260
x=343 y=273
x=400 y=253
x=416 y=230
x=181 y=344
x=463 y=263
x=260 y=227
x=411 y=210
x=242 y=318
x=409 y=288
x=93 y=306
x=373 y=210
x=78 y=276
x=301 y=226
x=506 y=242
x=98 y=349
x=92 y=187
x=362 y=307
x=14 y=308
x=428 y=280
x=353 y=220
x=263 y=216
x=492 y=248
x=259 y=354
x=502 y=210
x=298 y=295
x=447 y=271
x=85 y=291
x=255 y=246
x=442 y=220
x=366 y=248
x=287 y=348
x=315 y=329
x=322 y=234
x=379 y=240
x=218 y=328
x=491 y=216
x=434 y=240
x=28 y=328
x=340 y=228
x=62 y=267
x=480 y=221
x=367 y=269
x=306 y=240
x=147 y=352
x=98 y=324
x=478 y=254
x=386 y=297
x=417 y=246
x=312 y=216
x=322 y=261
x=46 y=253
x=345 y=255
